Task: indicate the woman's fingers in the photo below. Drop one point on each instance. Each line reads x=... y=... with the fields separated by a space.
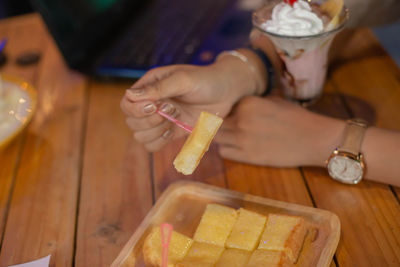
x=163 y=130
x=176 y=84
x=161 y=141
x=138 y=109
x=143 y=109
x=154 y=75
x=153 y=120
x=140 y=124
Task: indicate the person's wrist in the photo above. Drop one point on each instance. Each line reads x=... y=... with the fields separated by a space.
x=236 y=76
x=325 y=139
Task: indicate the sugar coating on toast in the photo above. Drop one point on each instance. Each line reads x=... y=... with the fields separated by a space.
x=232 y=257
x=247 y=230
x=197 y=143
x=201 y=254
x=152 y=249
x=268 y=258
x=226 y=237
x=215 y=225
x=284 y=233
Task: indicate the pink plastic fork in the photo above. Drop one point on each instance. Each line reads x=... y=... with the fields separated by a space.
x=177 y=122
x=166 y=232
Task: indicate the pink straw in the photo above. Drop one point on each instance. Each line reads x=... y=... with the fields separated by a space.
x=166 y=232
x=177 y=122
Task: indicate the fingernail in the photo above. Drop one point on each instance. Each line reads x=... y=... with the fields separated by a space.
x=167 y=108
x=149 y=108
x=135 y=92
x=176 y=113
x=167 y=134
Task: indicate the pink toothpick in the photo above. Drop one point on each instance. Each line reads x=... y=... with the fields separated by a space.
x=166 y=232
x=177 y=122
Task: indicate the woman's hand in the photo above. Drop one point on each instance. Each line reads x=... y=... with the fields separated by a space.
x=274 y=132
x=183 y=91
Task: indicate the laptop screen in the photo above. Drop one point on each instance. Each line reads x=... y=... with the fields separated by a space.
x=83 y=28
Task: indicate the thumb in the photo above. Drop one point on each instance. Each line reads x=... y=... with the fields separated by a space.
x=177 y=84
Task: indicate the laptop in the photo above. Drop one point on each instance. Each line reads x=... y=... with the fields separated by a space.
x=125 y=38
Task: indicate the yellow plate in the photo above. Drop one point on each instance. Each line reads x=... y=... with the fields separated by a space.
x=21 y=112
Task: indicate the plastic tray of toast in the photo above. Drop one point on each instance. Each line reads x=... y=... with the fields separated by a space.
x=183 y=204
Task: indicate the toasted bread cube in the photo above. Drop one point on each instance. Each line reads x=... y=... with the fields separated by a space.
x=247 y=230
x=201 y=255
x=284 y=233
x=197 y=143
x=215 y=225
x=233 y=257
x=269 y=258
x=152 y=249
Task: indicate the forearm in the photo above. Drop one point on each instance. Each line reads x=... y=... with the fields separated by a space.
x=381 y=149
x=241 y=77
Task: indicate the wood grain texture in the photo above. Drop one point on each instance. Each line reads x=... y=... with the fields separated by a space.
x=42 y=170
x=18 y=34
x=369 y=215
x=276 y=183
x=116 y=188
x=9 y=164
x=397 y=192
x=369 y=212
x=41 y=217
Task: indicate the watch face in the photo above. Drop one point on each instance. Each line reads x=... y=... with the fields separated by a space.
x=345 y=169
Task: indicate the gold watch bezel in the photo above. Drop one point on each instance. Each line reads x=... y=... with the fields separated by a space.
x=358 y=158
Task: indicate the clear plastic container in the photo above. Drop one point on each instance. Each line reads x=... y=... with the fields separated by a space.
x=183 y=203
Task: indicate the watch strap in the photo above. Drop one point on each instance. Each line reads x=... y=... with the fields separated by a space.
x=353 y=136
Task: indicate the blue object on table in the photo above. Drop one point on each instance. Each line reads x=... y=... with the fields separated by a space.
x=3 y=44
x=3 y=57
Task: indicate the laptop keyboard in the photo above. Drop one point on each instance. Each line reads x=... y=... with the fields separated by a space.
x=169 y=32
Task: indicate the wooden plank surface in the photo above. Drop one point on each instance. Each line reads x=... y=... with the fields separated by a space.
x=41 y=218
x=275 y=183
x=369 y=212
x=116 y=188
x=41 y=177
x=10 y=155
x=9 y=164
x=15 y=30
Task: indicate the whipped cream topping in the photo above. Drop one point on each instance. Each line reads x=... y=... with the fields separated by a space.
x=298 y=20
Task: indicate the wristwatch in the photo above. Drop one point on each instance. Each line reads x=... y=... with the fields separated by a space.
x=346 y=163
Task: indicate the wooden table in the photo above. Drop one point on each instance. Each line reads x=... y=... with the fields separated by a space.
x=75 y=185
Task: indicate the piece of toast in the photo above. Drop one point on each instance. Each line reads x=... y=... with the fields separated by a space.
x=284 y=233
x=269 y=258
x=247 y=230
x=215 y=225
x=232 y=257
x=152 y=249
x=201 y=255
x=197 y=143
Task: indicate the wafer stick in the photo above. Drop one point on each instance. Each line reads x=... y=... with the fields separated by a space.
x=333 y=9
x=197 y=143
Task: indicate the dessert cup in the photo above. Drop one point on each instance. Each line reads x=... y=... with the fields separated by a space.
x=304 y=58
